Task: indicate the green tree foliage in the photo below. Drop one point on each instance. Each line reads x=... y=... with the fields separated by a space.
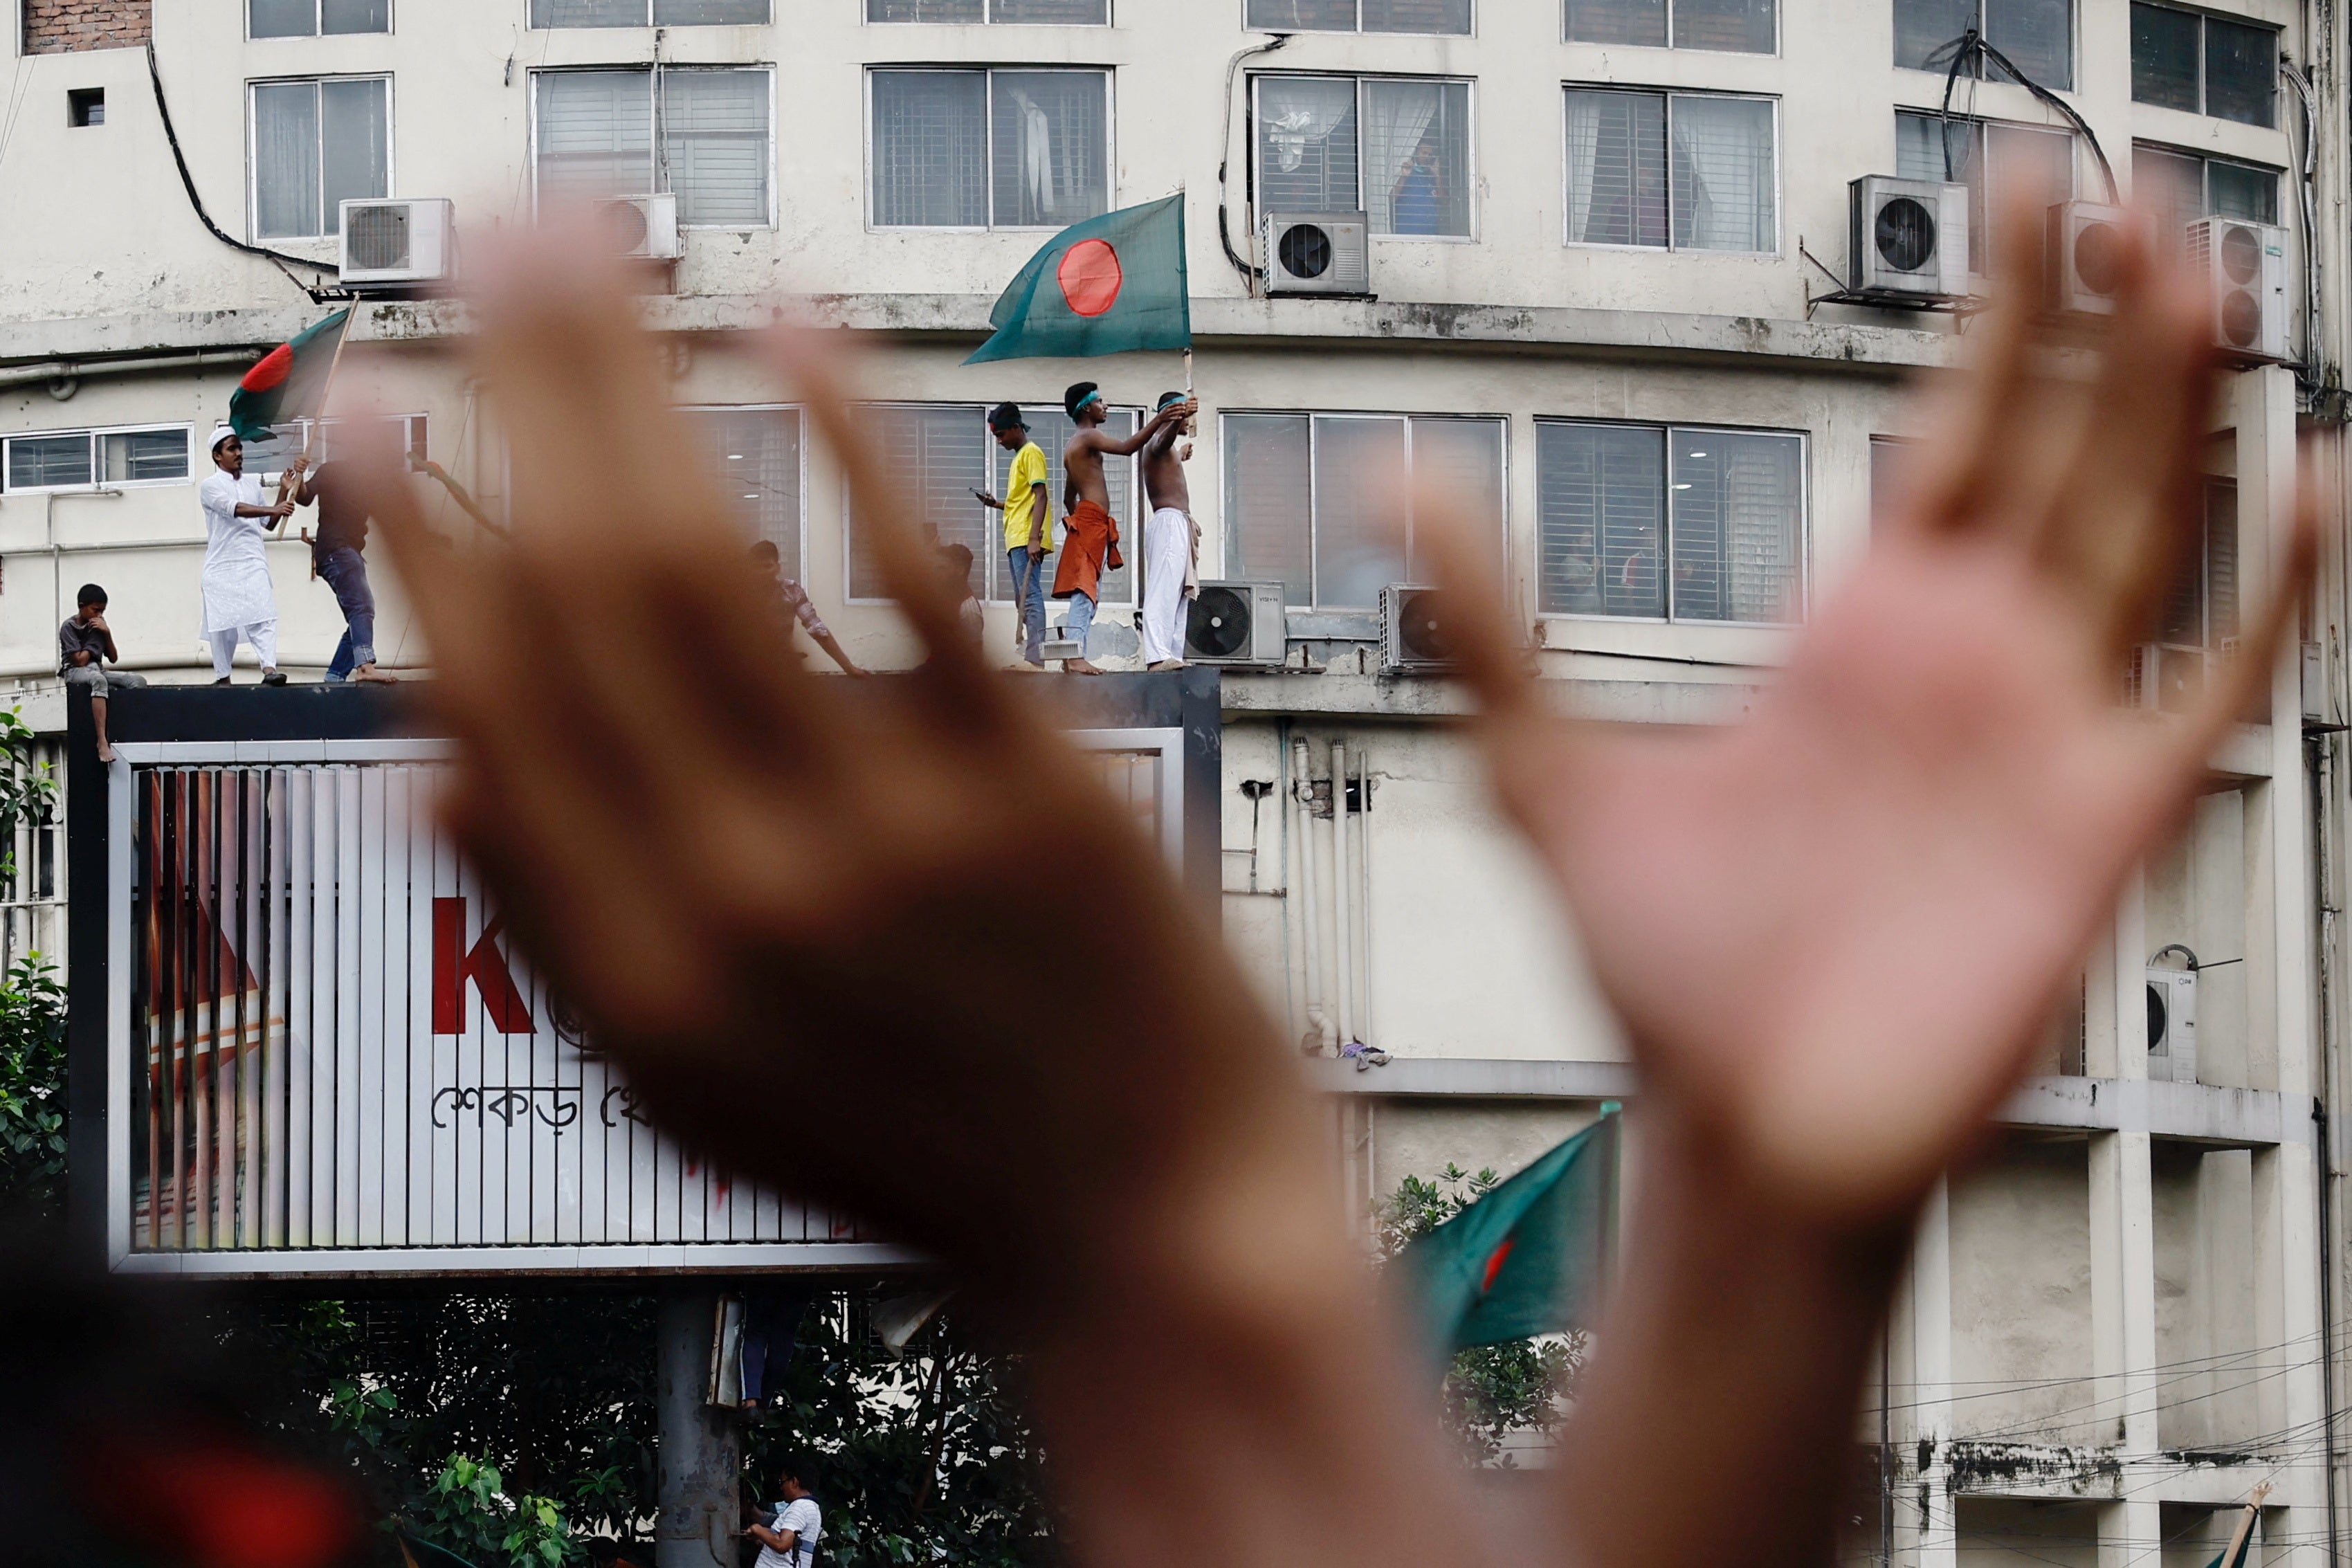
x=1492 y=1391
x=32 y=1092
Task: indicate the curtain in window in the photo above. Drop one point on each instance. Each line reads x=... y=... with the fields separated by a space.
x=715 y=144
x=2163 y=45
x=1601 y=520
x=356 y=145
x=1359 y=546
x=355 y=16
x=2241 y=72
x=1303 y=16
x=2038 y=35
x=135 y=455
x=1740 y=26
x=1442 y=16
x=936 y=455
x=1051 y=153
x=1268 y=501
x=1737 y=532
x=1052 y=429
x=281 y=18
x=595 y=134
x=1637 y=22
x=754 y=457
x=1461 y=460
x=286 y=160
x=588 y=13
x=1616 y=168
x=1723 y=175
x=37 y=460
x=1306 y=144
x=1417 y=157
x=1925 y=29
x=1068 y=13
x=709 y=13
x=931 y=149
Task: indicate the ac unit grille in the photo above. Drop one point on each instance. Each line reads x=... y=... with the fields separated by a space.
x=625 y=226
x=1905 y=234
x=2242 y=256
x=1218 y=625
x=379 y=238
x=2096 y=256
x=1421 y=628
x=1304 y=251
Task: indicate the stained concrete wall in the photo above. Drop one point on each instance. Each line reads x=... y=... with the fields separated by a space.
x=2021 y=1301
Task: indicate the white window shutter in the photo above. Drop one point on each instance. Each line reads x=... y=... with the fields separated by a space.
x=595 y=134
x=715 y=146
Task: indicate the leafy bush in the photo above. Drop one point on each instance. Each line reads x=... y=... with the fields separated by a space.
x=32 y=1091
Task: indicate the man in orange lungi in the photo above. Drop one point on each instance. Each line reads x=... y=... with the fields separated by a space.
x=1090 y=534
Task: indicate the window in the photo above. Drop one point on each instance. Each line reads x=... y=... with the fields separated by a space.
x=941 y=451
x=1681 y=170
x=315 y=146
x=1396 y=148
x=309 y=19
x=2180 y=188
x=989 y=148
x=1889 y=459
x=1669 y=523
x=755 y=456
x=64 y=459
x=646 y=13
x=1310 y=497
x=2022 y=157
x=325 y=439
x=2204 y=65
x=85 y=107
x=2038 y=35
x=2200 y=603
x=1360 y=15
x=1068 y=12
x=1742 y=26
x=597 y=132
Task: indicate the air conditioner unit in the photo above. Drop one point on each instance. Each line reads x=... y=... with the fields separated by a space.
x=2246 y=266
x=1413 y=629
x=1910 y=239
x=1318 y=253
x=2166 y=678
x=639 y=227
x=1236 y=623
x=2084 y=241
x=2172 y=1024
x=403 y=242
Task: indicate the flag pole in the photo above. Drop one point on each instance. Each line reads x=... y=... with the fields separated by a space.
x=325 y=387
x=2232 y=1557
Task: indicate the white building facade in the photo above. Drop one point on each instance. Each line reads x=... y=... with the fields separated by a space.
x=1608 y=303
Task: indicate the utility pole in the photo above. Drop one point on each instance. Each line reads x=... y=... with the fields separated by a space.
x=701 y=1452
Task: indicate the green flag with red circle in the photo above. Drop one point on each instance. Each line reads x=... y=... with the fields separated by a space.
x=290 y=382
x=1110 y=285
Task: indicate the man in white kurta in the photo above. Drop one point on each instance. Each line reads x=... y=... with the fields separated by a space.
x=239 y=599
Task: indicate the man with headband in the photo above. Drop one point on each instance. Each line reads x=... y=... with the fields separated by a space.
x=1171 y=544
x=239 y=601
x=1090 y=534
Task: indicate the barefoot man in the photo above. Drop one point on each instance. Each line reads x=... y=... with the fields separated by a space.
x=1171 y=543
x=1090 y=537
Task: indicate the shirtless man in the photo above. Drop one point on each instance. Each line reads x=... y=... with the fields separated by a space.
x=1171 y=543
x=1090 y=537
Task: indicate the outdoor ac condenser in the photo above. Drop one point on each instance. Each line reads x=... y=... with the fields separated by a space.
x=640 y=228
x=2246 y=265
x=1318 y=253
x=396 y=242
x=1236 y=623
x=1910 y=239
x=2083 y=242
x=2172 y=1024
x=1413 y=630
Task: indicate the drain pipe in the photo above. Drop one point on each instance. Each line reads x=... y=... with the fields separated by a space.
x=2319 y=749
x=1364 y=862
x=1302 y=797
x=1294 y=967
x=1343 y=890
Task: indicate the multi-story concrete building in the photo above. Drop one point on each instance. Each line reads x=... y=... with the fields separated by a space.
x=1608 y=302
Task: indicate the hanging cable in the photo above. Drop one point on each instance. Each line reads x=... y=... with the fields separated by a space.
x=188 y=182
x=2305 y=200
x=1225 y=236
x=1970 y=46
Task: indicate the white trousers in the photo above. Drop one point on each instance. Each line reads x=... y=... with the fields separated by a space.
x=262 y=635
x=1167 y=554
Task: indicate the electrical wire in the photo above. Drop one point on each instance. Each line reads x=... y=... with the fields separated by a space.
x=188 y=182
x=1224 y=236
x=1972 y=46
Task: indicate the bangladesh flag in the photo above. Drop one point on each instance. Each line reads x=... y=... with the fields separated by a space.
x=290 y=382
x=1108 y=286
x=1530 y=1257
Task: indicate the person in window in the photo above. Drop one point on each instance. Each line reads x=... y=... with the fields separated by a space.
x=1419 y=196
x=84 y=645
x=336 y=555
x=1028 y=529
x=1090 y=534
x=793 y=597
x=239 y=599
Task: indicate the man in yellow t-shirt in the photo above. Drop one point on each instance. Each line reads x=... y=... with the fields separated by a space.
x=1027 y=507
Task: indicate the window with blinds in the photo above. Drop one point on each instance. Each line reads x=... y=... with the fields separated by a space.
x=1669 y=523
x=2204 y=65
x=1398 y=147
x=2200 y=602
x=754 y=455
x=1311 y=499
x=310 y=18
x=1437 y=17
x=939 y=453
x=2037 y=35
x=1059 y=13
x=317 y=145
x=1995 y=161
x=1737 y=26
x=987 y=149
x=648 y=13
x=1674 y=170
x=63 y=459
x=2180 y=187
x=704 y=136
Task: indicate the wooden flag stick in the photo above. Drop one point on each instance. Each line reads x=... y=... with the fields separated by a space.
x=2245 y=1525
x=1192 y=425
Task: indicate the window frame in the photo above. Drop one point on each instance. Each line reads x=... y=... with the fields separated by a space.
x=988 y=18
x=1470 y=173
x=1804 y=609
x=2203 y=109
x=799 y=410
x=2205 y=162
x=319 y=22
x=1779 y=217
x=660 y=165
x=334 y=233
x=1359 y=30
x=97 y=480
x=2073 y=53
x=1315 y=604
x=1979 y=223
x=645 y=25
x=988 y=117
x=1780 y=19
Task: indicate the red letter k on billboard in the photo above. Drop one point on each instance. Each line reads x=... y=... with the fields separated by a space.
x=484 y=965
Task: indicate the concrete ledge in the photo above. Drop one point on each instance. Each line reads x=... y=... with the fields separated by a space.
x=1424 y=697
x=619 y=1258
x=1477 y=1078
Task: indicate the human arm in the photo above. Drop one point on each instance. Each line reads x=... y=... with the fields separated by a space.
x=98 y=624
x=781 y=1540
x=985 y=499
x=1112 y=445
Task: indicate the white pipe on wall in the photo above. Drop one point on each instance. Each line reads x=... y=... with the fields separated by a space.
x=1302 y=793
x=1364 y=865
x=1343 y=895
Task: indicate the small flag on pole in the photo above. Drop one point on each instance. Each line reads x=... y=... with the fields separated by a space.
x=290 y=381
x=1529 y=1257
x=1110 y=285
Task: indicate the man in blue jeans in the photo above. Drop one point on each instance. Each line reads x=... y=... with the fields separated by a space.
x=336 y=555
x=1028 y=529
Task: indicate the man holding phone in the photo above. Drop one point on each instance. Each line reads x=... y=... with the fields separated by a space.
x=1028 y=528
